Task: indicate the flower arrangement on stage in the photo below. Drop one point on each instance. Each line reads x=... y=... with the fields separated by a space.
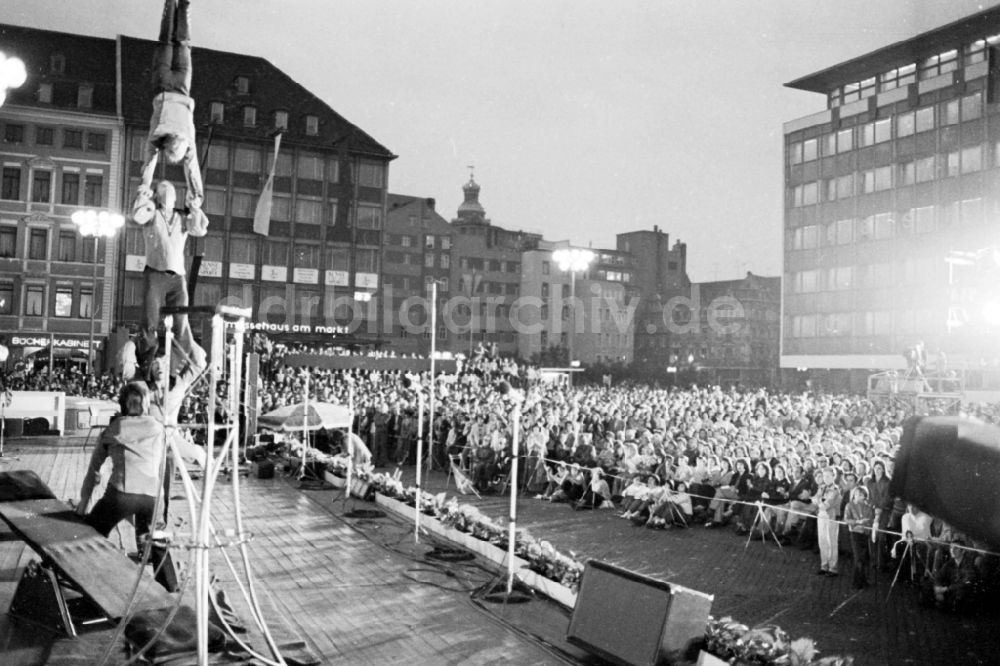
x=725 y=638
x=552 y=564
x=337 y=465
x=765 y=645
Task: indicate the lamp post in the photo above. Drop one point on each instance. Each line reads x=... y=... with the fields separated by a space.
x=572 y=259
x=95 y=224
x=12 y=75
x=431 y=402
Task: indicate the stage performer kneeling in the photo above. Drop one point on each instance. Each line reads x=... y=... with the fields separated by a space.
x=135 y=443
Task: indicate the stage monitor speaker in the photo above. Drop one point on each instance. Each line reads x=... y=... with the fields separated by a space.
x=634 y=620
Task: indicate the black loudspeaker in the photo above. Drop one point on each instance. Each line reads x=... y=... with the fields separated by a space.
x=634 y=620
x=265 y=469
x=949 y=467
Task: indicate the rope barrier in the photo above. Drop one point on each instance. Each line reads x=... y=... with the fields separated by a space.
x=775 y=507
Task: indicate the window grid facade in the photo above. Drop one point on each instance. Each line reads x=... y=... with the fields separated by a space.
x=876 y=197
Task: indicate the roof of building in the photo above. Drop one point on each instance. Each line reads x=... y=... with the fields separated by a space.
x=400 y=206
x=270 y=89
x=84 y=60
x=940 y=39
x=751 y=281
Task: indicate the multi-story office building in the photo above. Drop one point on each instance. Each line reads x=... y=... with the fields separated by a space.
x=660 y=272
x=486 y=270
x=317 y=271
x=418 y=251
x=597 y=321
x=60 y=144
x=899 y=170
x=724 y=332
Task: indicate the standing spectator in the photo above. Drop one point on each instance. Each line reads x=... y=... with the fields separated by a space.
x=827 y=502
x=380 y=436
x=859 y=516
x=878 y=495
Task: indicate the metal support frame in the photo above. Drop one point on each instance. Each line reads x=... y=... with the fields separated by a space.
x=223 y=359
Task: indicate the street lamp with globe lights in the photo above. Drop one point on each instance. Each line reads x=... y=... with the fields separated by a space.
x=572 y=259
x=12 y=75
x=96 y=224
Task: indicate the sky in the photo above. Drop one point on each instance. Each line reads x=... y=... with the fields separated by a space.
x=582 y=118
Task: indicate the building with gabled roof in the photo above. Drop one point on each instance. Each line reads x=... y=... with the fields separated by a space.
x=318 y=269
x=61 y=151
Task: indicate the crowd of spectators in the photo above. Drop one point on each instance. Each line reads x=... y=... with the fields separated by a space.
x=809 y=470
x=71 y=379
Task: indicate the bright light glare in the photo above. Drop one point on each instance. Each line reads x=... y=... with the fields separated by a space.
x=97 y=223
x=991 y=314
x=573 y=259
x=12 y=72
x=12 y=75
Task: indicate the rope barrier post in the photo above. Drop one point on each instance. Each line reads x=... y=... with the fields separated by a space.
x=516 y=418
x=420 y=452
x=430 y=410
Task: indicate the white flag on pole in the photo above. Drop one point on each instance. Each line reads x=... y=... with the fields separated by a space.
x=262 y=214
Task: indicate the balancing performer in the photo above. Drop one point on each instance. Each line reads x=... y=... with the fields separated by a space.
x=171 y=128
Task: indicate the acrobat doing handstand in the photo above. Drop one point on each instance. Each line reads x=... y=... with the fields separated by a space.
x=166 y=228
x=171 y=128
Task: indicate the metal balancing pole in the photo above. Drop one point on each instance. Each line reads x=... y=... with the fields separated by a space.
x=93 y=312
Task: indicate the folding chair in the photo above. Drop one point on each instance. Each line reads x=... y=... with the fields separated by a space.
x=455 y=462
x=455 y=467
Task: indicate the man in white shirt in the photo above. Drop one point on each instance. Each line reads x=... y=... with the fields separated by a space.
x=165 y=231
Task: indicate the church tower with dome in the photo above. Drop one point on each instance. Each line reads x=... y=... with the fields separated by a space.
x=470 y=211
x=487 y=268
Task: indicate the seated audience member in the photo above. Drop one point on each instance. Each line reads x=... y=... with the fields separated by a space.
x=598 y=493
x=573 y=486
x=555 y=476
x=725 y=494
x=484 y=467
x=635 y=497
x=952 y=586
x=756 y=486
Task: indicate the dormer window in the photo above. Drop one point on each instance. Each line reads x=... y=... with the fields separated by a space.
x=312 y=125
x=281 y=120
x=249 y=116
x=44 y=93
x=57 y=63
x=243 y=85
x=85 y=96
x=217 y=112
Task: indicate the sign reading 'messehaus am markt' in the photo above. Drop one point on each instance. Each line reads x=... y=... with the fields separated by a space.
x=294 y=328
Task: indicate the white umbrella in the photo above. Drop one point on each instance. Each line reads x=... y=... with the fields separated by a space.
x=308 y=416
